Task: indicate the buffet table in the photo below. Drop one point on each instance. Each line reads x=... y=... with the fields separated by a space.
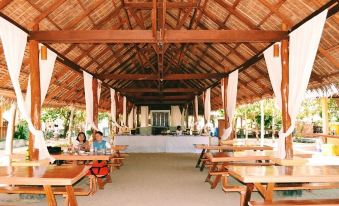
x=159 y=143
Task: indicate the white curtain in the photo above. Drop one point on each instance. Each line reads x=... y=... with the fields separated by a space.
x=303 y=46
x=88 y=80
x=9 y=134
x=46 y=70
x=183 y=115
x=124 y=111
x=135 y=119
x=175 y=116
x=232 y=89
x=196 y=110
x=14 y=42
x=113 y=107
x=274 y=72
x=207 y=106
x=144 y=116
x=130 y=118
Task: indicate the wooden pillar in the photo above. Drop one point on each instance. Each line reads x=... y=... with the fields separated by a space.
x=95 y=102
x=35 y=94
x=324 y=109
x=286 y=119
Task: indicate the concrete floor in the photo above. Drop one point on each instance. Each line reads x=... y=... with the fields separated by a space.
x=160 y=180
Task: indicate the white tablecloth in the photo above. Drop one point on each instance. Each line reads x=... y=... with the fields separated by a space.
x=154 y=144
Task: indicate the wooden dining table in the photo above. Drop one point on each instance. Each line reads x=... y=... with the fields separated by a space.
x=259 y=176
x=46 y=176
x=227 y=147
x=82 y=156
x=221 y=159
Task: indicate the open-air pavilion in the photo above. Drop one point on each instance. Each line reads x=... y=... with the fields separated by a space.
x=155 y=66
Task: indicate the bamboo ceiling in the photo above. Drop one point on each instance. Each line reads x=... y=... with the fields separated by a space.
x=111 y=61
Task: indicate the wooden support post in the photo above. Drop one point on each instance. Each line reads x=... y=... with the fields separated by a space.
x=95 y=102
x=35 y=93
x=324 y=109
x=286 y=119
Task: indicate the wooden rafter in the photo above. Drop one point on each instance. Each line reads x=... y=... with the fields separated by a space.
x=145 y=36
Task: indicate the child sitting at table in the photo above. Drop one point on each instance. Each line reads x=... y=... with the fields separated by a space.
x=99 y=144
x=81 y=142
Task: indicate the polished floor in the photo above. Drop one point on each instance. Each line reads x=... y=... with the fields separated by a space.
x=160 y=180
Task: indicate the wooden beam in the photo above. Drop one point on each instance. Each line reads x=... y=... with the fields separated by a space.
x=177 y=97
x=150 y=5
x=156 y=90
x=4 y=3
x=167 y=77
x=94 y=36
x=146 y=36
x=222 y=36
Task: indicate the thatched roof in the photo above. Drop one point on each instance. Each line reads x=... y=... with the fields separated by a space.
x=142 y=58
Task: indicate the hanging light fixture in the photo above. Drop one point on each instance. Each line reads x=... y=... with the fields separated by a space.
x=43 y=53
x=276 y=50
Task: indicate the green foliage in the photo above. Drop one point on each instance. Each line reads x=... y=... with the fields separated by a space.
x=22 y=131
x=103 y=115
x=333 y=110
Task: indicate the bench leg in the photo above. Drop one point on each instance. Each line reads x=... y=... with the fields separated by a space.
x=71 y=197
x=108 y=178
x=216 y=181
x=49 y=195
x=101 y=183
x=200 y=157
x=249 y=189
x=213 y=168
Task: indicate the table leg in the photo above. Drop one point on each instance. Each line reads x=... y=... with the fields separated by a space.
x=269 y=192
x=203 y=162
x=249 y=189
x=266 y=193
x=50 y=196
x=71 y=197
x=199 y=160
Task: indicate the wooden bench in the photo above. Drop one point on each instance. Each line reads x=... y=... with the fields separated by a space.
x=40 y=190
x=305 y=186
x=324 y=202
x=56 y=190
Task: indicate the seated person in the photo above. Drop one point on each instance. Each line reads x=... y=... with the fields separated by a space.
x=99 y=144
x=179 y=131
x=81 y=143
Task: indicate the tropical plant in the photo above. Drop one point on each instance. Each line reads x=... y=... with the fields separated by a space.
x=22 y=131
